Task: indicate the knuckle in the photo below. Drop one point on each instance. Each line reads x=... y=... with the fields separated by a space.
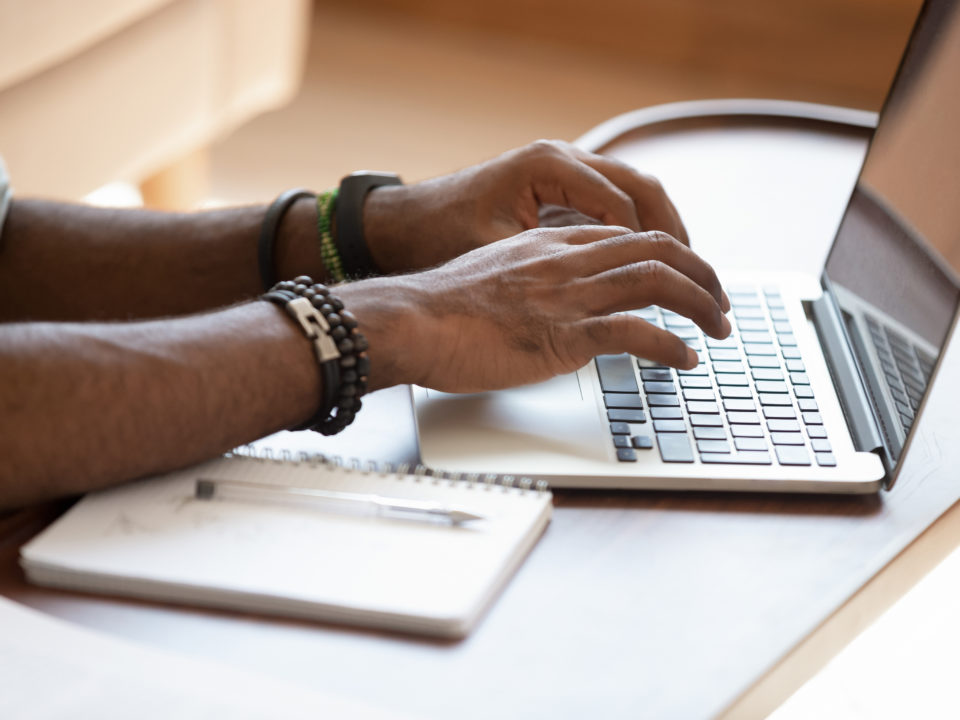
x=659 y=240
x=650 y=181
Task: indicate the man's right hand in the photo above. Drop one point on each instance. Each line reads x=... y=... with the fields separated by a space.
x=532 y=306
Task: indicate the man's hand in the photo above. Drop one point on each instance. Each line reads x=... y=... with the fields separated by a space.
x=533 y=306
x=419 y=226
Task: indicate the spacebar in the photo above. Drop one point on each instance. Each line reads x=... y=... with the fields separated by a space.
x=741 y=458
x=675 y=447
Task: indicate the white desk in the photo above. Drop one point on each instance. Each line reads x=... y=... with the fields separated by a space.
x=633 y=605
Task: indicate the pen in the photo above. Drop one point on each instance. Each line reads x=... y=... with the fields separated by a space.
x=207 y=489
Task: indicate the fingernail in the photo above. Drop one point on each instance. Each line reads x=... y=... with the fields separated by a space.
x=692 y=359
x=724 y=300
x=725 y=326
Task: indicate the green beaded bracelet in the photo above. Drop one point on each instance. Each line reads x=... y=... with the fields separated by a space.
x=326 y=206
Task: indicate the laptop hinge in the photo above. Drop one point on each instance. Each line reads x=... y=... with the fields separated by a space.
x=846 y=376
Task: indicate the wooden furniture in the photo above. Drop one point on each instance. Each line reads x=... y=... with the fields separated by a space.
x=137 y=89
x=634 y=604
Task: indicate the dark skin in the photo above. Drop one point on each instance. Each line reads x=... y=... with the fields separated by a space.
x=132 y=342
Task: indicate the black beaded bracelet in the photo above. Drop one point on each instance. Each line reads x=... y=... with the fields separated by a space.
x=340 y=348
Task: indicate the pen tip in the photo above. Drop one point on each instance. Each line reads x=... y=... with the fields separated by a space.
x=461 y=516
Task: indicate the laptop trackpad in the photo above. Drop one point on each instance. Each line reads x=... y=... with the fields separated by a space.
x=564 y=389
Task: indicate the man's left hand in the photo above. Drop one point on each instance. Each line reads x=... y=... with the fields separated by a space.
x=419 y=226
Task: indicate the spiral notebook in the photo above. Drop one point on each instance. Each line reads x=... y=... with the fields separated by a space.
x=156 y=539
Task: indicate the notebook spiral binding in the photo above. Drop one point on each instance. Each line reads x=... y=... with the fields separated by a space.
x=419 y=473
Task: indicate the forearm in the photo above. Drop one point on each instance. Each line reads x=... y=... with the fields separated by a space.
x=88 y=405
x=60 y=261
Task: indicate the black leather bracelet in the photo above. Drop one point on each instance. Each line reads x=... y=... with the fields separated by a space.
x=268 y=233
x=350 y=240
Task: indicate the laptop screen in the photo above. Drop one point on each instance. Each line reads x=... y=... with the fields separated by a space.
x=894 y=266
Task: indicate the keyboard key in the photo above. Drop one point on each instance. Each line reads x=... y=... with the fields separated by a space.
x=759 y=349
x=799 y=378
x=709 y=433
x=698 y=394
x=775 y=399
x=728 y=367
x=755 y=336
x=669 y=426
x=627 y=401
x=743 y=443
x=695 y=382
x=728 y=342
x=736 y=405
x=658 y=400
x=740 y=458
x=748 y=312
x=626 y=455
x=713 y=446
x=790 y=353
x=702 y=420
x=763 y=361
x=743 y=418
x=616 y=373
x=644 y=363
x=788 y=341
x=642 y=442
x=619 y=428
x=747 y=324
x=675 y=448
x=771 y=386
x=792 y=455
x=627 y=416
x=754 y=431
x=666 y=413
x=701 y=406
x=700 y=369
x=778 y=314
x=795 y=365
x=826 y=459
x=782 y=327
x=821 y=445
x=783 y=426
x=812 y=418
x=803 y=391
x=786 y=438
x=659 y=387
x=729 y=391
x=717 y=354
x=779 y=412
x=767 y=374
x=733 y=379
x=656 y=374
x=816 y=431
x=808 y=405
x=621 y=441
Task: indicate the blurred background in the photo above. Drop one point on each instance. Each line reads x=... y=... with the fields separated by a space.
x=228 y=101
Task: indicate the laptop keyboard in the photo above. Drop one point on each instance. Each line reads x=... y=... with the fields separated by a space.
x=906 y=369
x=749 y=401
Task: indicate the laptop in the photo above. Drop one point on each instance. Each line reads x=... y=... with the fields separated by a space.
x=819 y=385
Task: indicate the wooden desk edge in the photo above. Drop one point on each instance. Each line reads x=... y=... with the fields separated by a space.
x=877 y=596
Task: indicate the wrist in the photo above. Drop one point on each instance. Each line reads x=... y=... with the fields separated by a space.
x=389 y=313
x=298 y=247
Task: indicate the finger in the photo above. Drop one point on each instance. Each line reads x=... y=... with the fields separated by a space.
x=653 y=206
x=620 y=250
x=652 y=282
x=559 y=179
x=614 y=334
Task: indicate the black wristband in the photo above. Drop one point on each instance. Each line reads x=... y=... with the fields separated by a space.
x=268 y=233
x=350 y=240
